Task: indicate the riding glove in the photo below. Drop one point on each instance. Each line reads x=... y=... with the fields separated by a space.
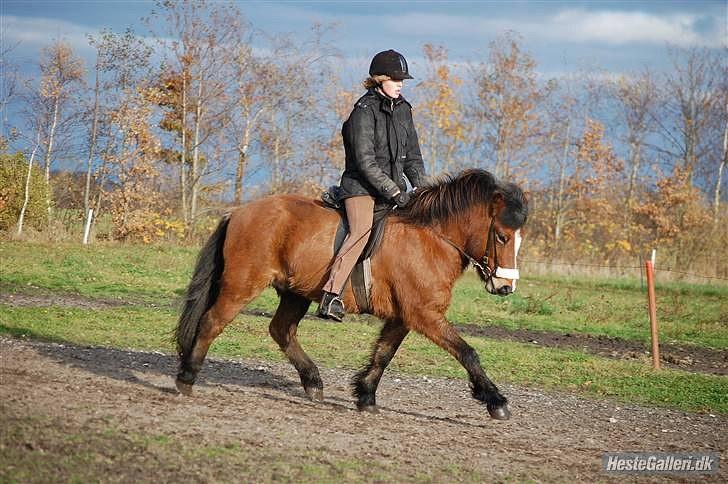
x=402 y=199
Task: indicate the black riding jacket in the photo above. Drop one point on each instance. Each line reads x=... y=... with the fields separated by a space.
x=381 y=148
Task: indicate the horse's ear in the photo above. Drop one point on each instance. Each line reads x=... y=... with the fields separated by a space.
x=497 y=201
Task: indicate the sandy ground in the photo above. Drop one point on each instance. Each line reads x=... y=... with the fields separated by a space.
x=428 y=428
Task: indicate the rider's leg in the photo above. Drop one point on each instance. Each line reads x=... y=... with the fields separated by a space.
x=359 y=213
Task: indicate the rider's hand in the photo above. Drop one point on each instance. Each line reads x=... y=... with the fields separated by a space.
x=402 y=199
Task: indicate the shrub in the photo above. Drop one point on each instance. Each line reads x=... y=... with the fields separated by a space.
x=13 y=173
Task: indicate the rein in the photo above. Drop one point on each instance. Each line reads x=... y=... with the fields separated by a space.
x=482 y=264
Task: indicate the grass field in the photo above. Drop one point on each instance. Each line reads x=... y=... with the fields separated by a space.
x=151 y=279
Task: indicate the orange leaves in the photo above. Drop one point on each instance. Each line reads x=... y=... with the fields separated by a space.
x=508 y=96
x=59 y=67
x=674 y=210
x=135 y=201
x=440 y=119
x=597 y=157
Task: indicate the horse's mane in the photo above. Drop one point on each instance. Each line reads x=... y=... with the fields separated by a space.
x=450 y=196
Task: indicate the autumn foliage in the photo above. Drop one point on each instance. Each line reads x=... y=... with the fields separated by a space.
x=613 y=166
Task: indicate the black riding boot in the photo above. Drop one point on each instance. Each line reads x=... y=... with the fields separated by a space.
x=331 y=307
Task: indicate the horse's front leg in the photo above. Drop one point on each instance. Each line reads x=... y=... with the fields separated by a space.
x=366 y=381
x=441 y=332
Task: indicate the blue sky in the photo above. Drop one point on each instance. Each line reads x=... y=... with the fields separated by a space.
x=561 y=35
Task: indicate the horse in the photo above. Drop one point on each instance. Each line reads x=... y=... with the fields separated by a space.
x=286 y=241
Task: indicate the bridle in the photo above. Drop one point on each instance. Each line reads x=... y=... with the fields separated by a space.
x=482 y=265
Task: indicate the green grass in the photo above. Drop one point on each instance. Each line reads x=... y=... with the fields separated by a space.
x=137 y=273
x=151 y=279
x=687 y=313
x=348 y=345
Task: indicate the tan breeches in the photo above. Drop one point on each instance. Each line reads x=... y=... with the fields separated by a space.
x=359 y=212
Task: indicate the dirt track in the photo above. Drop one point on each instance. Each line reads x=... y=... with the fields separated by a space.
x=428 y=429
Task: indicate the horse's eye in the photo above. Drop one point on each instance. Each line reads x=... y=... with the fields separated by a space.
x=501 y=239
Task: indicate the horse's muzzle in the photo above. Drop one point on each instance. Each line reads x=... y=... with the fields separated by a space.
x=505 y=290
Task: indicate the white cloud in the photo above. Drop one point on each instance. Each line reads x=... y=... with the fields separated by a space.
x=36 y=32
x=571 y=25
x=619 y=28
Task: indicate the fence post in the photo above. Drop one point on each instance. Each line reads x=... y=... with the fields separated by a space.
x=87 y=229
x=652 y=305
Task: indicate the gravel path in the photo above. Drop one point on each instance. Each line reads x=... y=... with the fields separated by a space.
x=428 y=428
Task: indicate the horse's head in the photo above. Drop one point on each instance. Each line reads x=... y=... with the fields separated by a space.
x=508 y=210
x=467 y=205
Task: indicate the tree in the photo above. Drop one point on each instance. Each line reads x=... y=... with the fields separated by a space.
x=690 y=99
x=505 y=115
x=10 y=81
x=636 y=98
x=135 y=200
x=566 y=111
x=255 y=96
x=440 y=117
x=26 y=189
x=599 y=226
x=203 y=39
x=675 y=218
x=122 y=61
x=721 y=168
x=62 y=73
x=297 y=124
x=23 y=193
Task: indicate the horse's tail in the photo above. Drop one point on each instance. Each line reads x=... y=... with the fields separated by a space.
x=202 y=290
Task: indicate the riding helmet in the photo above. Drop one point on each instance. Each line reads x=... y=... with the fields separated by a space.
x=390 y=63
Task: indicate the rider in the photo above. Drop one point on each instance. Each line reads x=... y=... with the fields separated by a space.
x=381 y=146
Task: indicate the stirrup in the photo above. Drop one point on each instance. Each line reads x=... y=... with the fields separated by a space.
x=331 y=307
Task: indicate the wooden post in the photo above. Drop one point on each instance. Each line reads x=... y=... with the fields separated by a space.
x=652 y=305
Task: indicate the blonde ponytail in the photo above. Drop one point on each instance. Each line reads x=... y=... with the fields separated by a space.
x=375 y=81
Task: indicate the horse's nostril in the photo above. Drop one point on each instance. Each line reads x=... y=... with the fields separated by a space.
x=505 y=290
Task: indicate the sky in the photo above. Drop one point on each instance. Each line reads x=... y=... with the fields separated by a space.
x=562 y=36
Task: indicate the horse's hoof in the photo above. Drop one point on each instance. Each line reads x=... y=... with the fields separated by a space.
x=315 y=394
x=373 y=409
x=499 y=413
x=184 y=388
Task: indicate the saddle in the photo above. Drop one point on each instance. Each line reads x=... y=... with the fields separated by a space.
x=361 y=276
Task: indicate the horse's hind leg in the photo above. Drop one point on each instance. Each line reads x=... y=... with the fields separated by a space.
x=283 y=328
x=366 y=381
x=228 y=304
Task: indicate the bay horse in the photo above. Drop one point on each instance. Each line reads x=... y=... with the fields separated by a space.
x=287 y=241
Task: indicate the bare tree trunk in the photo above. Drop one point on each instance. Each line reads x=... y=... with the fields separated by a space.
x=498 y=153
x=242 y=161
x=505 y=162
x=562 y=187
x=636 y=158
x=183 y=156
x=275 y=172
x=21 y=218
x=49 y=152
x=194 y=182
x=92 y=146
x=433 y=156
x=719 y=178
